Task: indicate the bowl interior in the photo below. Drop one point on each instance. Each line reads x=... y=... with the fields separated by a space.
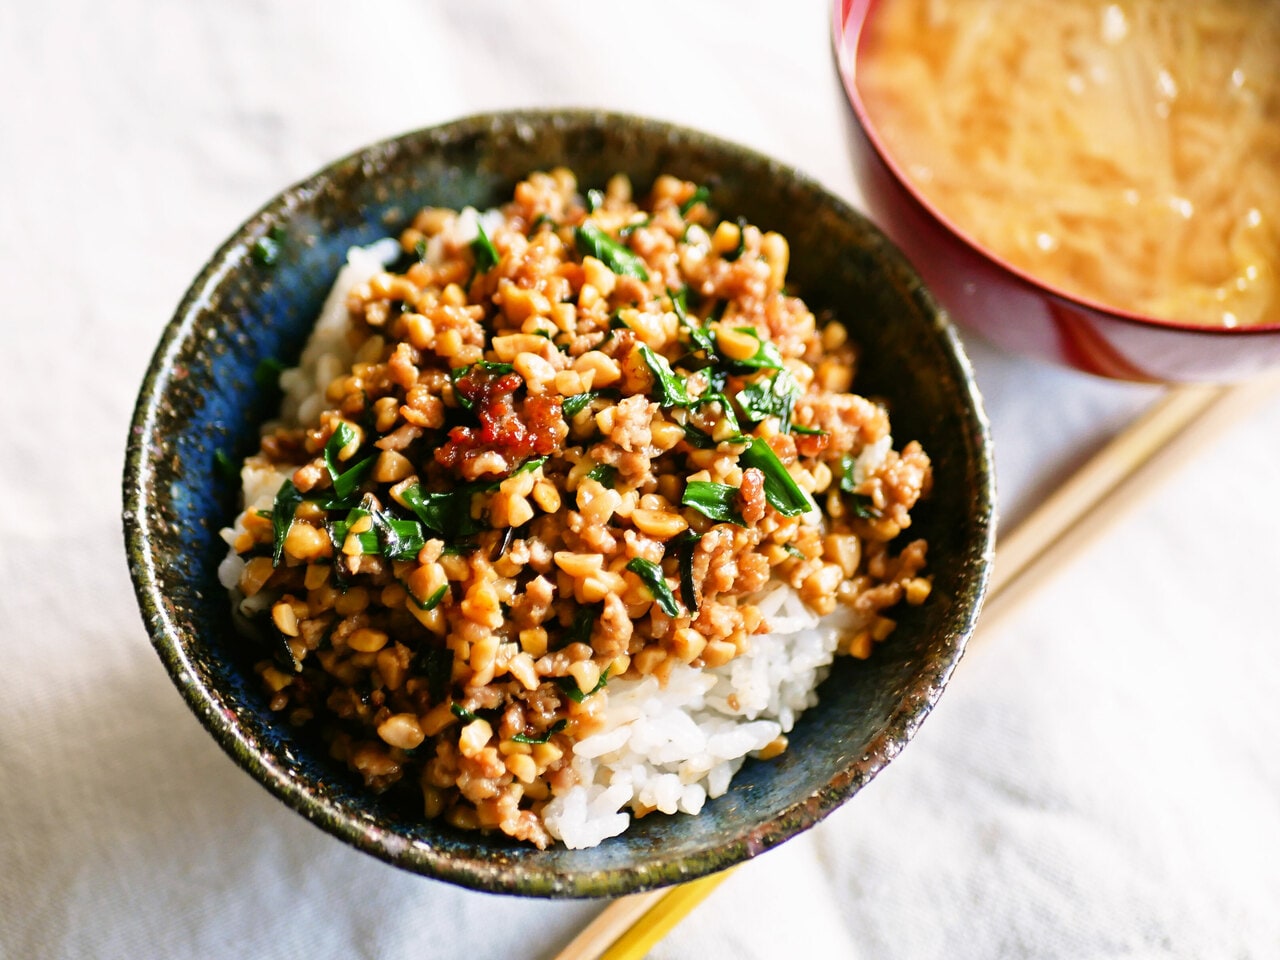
x=201 y=396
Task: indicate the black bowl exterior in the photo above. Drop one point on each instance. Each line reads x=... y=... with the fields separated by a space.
x=200 y=396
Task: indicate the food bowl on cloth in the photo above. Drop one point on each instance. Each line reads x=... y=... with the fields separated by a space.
x=257 y=300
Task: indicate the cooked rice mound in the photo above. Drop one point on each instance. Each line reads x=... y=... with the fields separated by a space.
x=567 y=511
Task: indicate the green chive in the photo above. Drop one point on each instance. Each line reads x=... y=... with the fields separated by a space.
x=267 y=372
x=287 y=500
x=447 y=513
x=697 y=439
x=680 y=303
x=701 y=195
x=390 y=537
x=571 y=689
x=579 y=631
x=673 y=390
x=553 y=729
x=766 y=356
x=594 y=242
x=282 y=651
x=742 y=241
x=604 y=474
x=485 y=252
x=538 y=221
x=780 y=488
x=436 y=663
x=773 y=396
x=432 y=601
x=570 y=406
x=530 y=465
x=652 y=576
x=397 y=539
x=456 y=374
x=846 y=472
x=702 y=441
x=488 y=366
x=631 y=228
x=340 y=530
x=595 y=200
x=863 y=507
x=716 y=501
x=726 y=409
x=344 y=483
x=266 y=250
x=685 y=548
x=225 y=466
x=700 y=336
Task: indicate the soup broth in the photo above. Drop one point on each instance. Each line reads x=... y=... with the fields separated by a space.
x=1127 y=152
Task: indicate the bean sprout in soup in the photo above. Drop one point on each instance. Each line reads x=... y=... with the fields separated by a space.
x=1126 y=153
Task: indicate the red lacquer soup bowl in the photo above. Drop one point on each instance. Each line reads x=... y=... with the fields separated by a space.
x=1010 y=307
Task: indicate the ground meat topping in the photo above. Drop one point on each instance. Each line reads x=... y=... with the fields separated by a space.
x=558 y=444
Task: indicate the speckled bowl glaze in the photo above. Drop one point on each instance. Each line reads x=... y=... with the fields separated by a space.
x=200 y=396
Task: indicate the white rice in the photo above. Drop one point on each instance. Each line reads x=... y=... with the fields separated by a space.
x=668 y=748
x=674 y=748
x=259 y=481
x=328 y=354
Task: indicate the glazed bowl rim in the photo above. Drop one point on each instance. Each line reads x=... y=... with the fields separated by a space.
x=216 y=709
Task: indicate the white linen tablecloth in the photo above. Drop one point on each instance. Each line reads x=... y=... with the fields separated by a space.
x=1102 y=779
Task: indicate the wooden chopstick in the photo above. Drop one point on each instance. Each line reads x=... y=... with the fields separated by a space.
x=628 y=927
x=614 y=922
x=1166 y=434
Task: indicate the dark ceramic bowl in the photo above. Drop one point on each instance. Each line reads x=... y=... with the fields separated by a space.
x=200 y=396
x=1014 y=309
